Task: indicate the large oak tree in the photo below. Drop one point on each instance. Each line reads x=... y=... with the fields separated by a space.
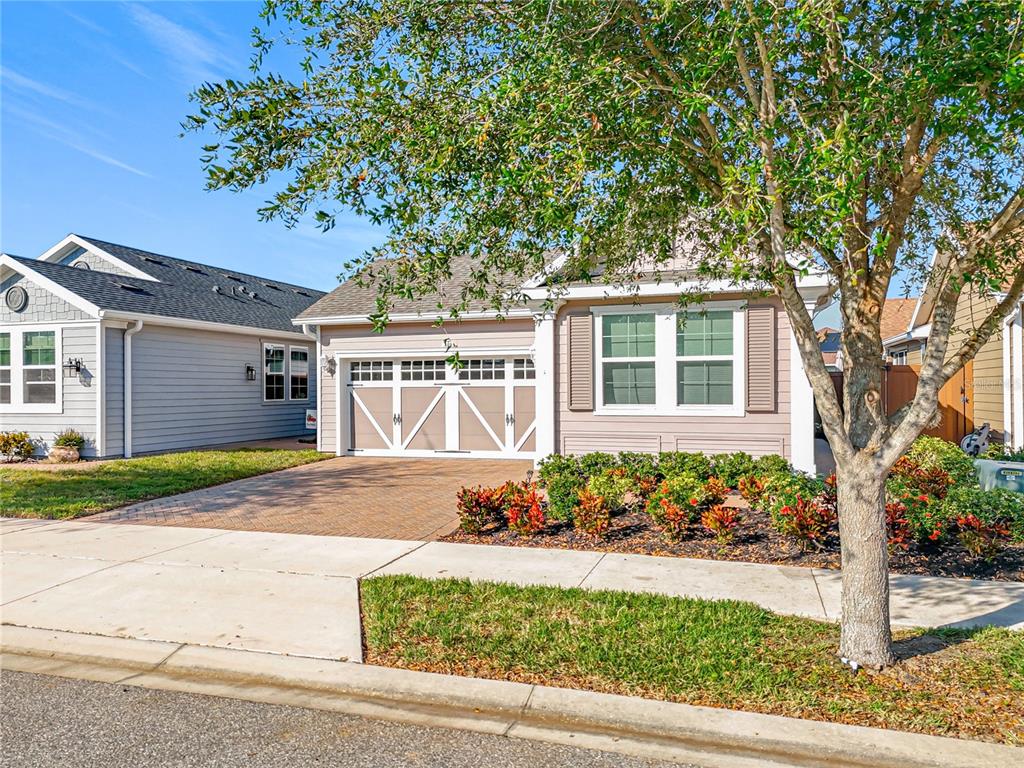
x=785 y=136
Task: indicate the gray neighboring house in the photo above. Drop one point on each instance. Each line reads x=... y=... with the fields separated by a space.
x=142 y=352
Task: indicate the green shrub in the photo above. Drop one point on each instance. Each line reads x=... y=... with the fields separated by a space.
x=998 y=506
x=781 y=489
x=926 y=519
x=595 y=463
x=612 y=485
x=935 y=453
x=15 y=446
x=673 y=463
x=70 y=438
x=1000 y=452
x=561 y=477
x=772 y=464
x=730 y=467
x=639 y=464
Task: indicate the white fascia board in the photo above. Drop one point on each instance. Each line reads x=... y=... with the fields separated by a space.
x=421 y=353
x=55 y=288
x=55 y=254
x=201 y=325
x=538 y=279
x=810 y=287
x=414 y=317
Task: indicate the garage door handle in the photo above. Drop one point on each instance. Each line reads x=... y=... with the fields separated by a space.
x=510 y=419
x=396 y=419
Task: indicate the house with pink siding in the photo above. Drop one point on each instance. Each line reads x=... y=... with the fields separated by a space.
x=608 y=369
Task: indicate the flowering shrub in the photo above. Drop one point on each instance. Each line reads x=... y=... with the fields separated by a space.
x=927 y=521
x=15 y=446
x=673 y=463
x=479 y=507
x=721 y=521
x=676 y=505
x=896 y=525
x=829 y=495
x=780 y=490
x=592 y=515
x=595 y=463
x=979 y=537
x=806 y=520
x=612 y=485
x=524 y=511
x=730 y=467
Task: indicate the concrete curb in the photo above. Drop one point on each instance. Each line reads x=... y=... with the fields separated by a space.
x=716 y=738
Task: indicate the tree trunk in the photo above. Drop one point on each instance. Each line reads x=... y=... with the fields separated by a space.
x=865 y=636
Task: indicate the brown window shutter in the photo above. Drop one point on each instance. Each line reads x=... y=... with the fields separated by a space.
x=761 y=358
x=581 y=362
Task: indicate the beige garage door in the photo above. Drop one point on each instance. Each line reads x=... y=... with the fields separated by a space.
x=425 y=407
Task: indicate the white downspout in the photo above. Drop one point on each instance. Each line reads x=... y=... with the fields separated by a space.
x=315 y=335
x=136 y=327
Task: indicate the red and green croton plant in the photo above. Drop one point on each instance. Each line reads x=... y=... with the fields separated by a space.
x=774 y=137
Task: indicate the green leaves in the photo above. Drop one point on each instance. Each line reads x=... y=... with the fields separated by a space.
x=507 y=131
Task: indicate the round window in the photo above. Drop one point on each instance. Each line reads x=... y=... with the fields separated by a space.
x=16 y=298
x=81 y=265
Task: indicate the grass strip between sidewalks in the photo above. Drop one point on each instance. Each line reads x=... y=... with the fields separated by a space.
x=960 y=683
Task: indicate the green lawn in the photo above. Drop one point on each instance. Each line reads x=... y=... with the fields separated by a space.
x=723 y=654
x=74 y=492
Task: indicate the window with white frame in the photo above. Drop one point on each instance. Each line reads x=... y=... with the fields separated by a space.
x=39 y=367
x=362 y=371
x=273 y=372
x=482 y=370
x=424 y=370
x=628 y=359
x=298 y=373
x=522 y=368
x=5 y=369
x=656 y=359
x=899 y=358
x=704 y=358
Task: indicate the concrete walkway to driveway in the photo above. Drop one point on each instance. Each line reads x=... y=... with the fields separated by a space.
x=383 y=498
x=298 y=595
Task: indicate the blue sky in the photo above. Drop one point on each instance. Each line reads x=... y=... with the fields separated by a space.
x=92 y=97
x=93 y=94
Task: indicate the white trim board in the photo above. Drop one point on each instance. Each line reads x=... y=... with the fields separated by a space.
x=57 y=252
x=44 y=282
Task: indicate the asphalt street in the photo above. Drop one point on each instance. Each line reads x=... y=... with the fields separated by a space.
x=51 y=722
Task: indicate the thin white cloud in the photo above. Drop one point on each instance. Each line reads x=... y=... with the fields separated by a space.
x=69 y=138
x=87 y=23
x=19 y=82
x=196 y=57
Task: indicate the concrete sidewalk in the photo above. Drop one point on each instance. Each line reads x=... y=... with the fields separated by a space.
x=298 y=595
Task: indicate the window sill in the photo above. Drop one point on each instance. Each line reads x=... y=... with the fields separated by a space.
x=32 y=408
x=713 y=410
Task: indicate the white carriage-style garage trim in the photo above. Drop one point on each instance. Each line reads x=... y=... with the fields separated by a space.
x=415 y=403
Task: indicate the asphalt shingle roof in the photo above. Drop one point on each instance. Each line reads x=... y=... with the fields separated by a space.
x=896 y=314
x=185 y=290
x=353 y=300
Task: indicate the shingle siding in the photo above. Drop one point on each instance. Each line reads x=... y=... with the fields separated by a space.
x=42 y=307
x=189 y=389
x=94 y=262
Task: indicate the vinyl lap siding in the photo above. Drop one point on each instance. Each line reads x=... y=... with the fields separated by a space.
x=189 y=389
x=988 y=384
x=79 y=410
x=465 y=336
x=756 y=433
x=113 y=391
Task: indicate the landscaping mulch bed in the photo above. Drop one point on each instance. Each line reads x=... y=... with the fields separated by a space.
x=756 y=541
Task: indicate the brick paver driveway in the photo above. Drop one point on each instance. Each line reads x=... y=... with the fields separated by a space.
x=351 y=496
